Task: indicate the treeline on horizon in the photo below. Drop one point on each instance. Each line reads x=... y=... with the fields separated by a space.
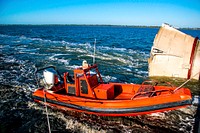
x=106 y=25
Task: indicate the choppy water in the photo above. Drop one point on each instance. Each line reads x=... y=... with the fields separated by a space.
x=121 y=53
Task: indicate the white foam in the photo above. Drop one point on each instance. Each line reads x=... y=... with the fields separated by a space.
x=66 y=62
x=27 y=51
x=108 y=78
x=72 y=67
x=3 y=35
x=111 y=48
x=53 y=57
x=161 y=115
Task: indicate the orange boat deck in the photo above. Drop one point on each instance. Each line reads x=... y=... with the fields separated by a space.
x=118 y=91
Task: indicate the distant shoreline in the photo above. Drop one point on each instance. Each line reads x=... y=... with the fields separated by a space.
x=94 y=25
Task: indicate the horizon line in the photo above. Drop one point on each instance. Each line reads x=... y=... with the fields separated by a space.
x=109 y=25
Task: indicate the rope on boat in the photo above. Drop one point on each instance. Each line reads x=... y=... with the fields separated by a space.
x=45 y=103
x=45 y=100
x=47 y=114
x=186 y=82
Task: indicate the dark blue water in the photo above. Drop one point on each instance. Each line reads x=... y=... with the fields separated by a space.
x=121 y=52
x=122 y=55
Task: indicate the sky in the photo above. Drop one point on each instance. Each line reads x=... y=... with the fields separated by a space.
x=179 y=13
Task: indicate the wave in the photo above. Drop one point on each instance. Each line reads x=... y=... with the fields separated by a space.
x=111 y=48
x=22 y=37
x=72 y=67
x=55 y=58
x=109 y=78
x=3 y=35
x=18 y=73
x=63 y=52
x=25 y=50
x=87 y=45
x=82 y=47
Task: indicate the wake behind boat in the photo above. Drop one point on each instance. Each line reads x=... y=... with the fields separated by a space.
x=86 y=92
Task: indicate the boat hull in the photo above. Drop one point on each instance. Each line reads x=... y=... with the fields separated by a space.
x=115 y=107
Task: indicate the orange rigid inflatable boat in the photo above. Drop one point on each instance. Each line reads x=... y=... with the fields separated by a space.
x=86 y=92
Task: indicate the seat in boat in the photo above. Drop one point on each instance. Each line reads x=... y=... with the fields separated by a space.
x=102 y=91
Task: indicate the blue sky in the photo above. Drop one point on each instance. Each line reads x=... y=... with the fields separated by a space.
x=179 y=13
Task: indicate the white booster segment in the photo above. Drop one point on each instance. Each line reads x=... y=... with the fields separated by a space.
x=174 y=54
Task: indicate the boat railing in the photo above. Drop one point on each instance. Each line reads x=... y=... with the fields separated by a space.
x=152 y=93
x=147 y=89
x=155 y=83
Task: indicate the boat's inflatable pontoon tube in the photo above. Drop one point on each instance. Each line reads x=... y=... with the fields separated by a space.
x=174 y=54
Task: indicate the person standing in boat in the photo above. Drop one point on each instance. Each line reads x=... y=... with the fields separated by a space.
x=85 y=65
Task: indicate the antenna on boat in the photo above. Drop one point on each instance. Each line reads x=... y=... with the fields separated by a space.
x=94 y=51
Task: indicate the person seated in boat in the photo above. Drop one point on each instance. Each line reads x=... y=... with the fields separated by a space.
x=85 y=64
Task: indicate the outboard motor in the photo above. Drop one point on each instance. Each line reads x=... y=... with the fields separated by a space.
x=50 y=76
